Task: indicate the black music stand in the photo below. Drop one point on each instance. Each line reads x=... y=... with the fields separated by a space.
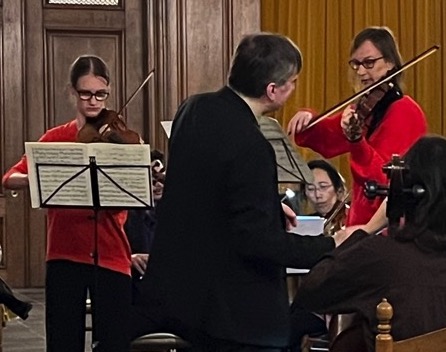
x=291 y=168
x=95 y=205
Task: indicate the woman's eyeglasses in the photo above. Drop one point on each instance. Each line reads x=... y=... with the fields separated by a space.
x=321 y=188
x=367 y=63
x=87 y=95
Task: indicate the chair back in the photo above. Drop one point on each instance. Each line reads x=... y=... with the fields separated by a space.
x=434 y=341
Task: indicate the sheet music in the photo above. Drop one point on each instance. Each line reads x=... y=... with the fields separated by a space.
x=290 y=166
x=133 y=176
x=306 y=226
x=309 y=225
x=135 y=179
x=167 y=126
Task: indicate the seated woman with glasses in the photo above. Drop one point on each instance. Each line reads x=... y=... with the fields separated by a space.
x=407 y=267
x=370 y=137
x=327 y=195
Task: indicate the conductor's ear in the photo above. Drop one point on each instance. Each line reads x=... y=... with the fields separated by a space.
x=271 y=91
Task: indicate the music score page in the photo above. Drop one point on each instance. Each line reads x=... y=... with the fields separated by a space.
x=51 y=165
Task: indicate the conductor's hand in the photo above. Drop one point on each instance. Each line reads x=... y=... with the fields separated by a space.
x=139 y=262
x=290 y=216
x=299 y=122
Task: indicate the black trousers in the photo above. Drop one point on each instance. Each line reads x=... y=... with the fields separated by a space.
x=67 y=284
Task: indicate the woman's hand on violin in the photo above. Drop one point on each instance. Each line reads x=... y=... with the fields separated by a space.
x=350 y=124
x=299 y=122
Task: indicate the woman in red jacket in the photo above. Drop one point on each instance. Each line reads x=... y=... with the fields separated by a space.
x=394 y=124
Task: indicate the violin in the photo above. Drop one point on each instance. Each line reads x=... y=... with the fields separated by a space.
x=336 y=220
x=107 y=127
x=368 y=102
x=365 y=107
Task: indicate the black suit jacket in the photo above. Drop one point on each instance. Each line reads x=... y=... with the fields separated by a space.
x=218 y=260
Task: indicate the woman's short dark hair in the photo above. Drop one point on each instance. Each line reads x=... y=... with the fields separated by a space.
x=425 y=215
x=333 y=174
x=263 y=58
x=87 y=64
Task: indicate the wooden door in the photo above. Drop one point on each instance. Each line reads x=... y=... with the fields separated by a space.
x=50 y=35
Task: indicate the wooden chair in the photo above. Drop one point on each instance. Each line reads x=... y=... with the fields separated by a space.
x=434 y=341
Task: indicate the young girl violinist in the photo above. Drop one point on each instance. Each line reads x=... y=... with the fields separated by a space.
x=71 y=272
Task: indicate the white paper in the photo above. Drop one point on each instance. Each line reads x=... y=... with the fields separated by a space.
x=167 y=125
x=309 y=225
x=306 y=226
x=133 y=177
x=293 y=271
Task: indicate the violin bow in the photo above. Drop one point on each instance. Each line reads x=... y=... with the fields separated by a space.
x=136 y=91
x=340 y=105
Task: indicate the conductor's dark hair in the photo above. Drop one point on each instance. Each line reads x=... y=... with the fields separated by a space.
x=425 y=220
x=87 y=64
x=261 y=59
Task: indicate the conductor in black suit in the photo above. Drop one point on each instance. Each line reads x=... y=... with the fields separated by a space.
x=216 y=274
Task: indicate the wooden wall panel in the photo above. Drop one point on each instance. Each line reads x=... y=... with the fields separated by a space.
x=203 y=48
x=12 y=109
x=62 y=48
x=202 y=35
x=2 y=144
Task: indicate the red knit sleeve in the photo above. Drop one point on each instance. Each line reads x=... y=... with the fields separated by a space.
x=403 y=124
x=325 y=138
